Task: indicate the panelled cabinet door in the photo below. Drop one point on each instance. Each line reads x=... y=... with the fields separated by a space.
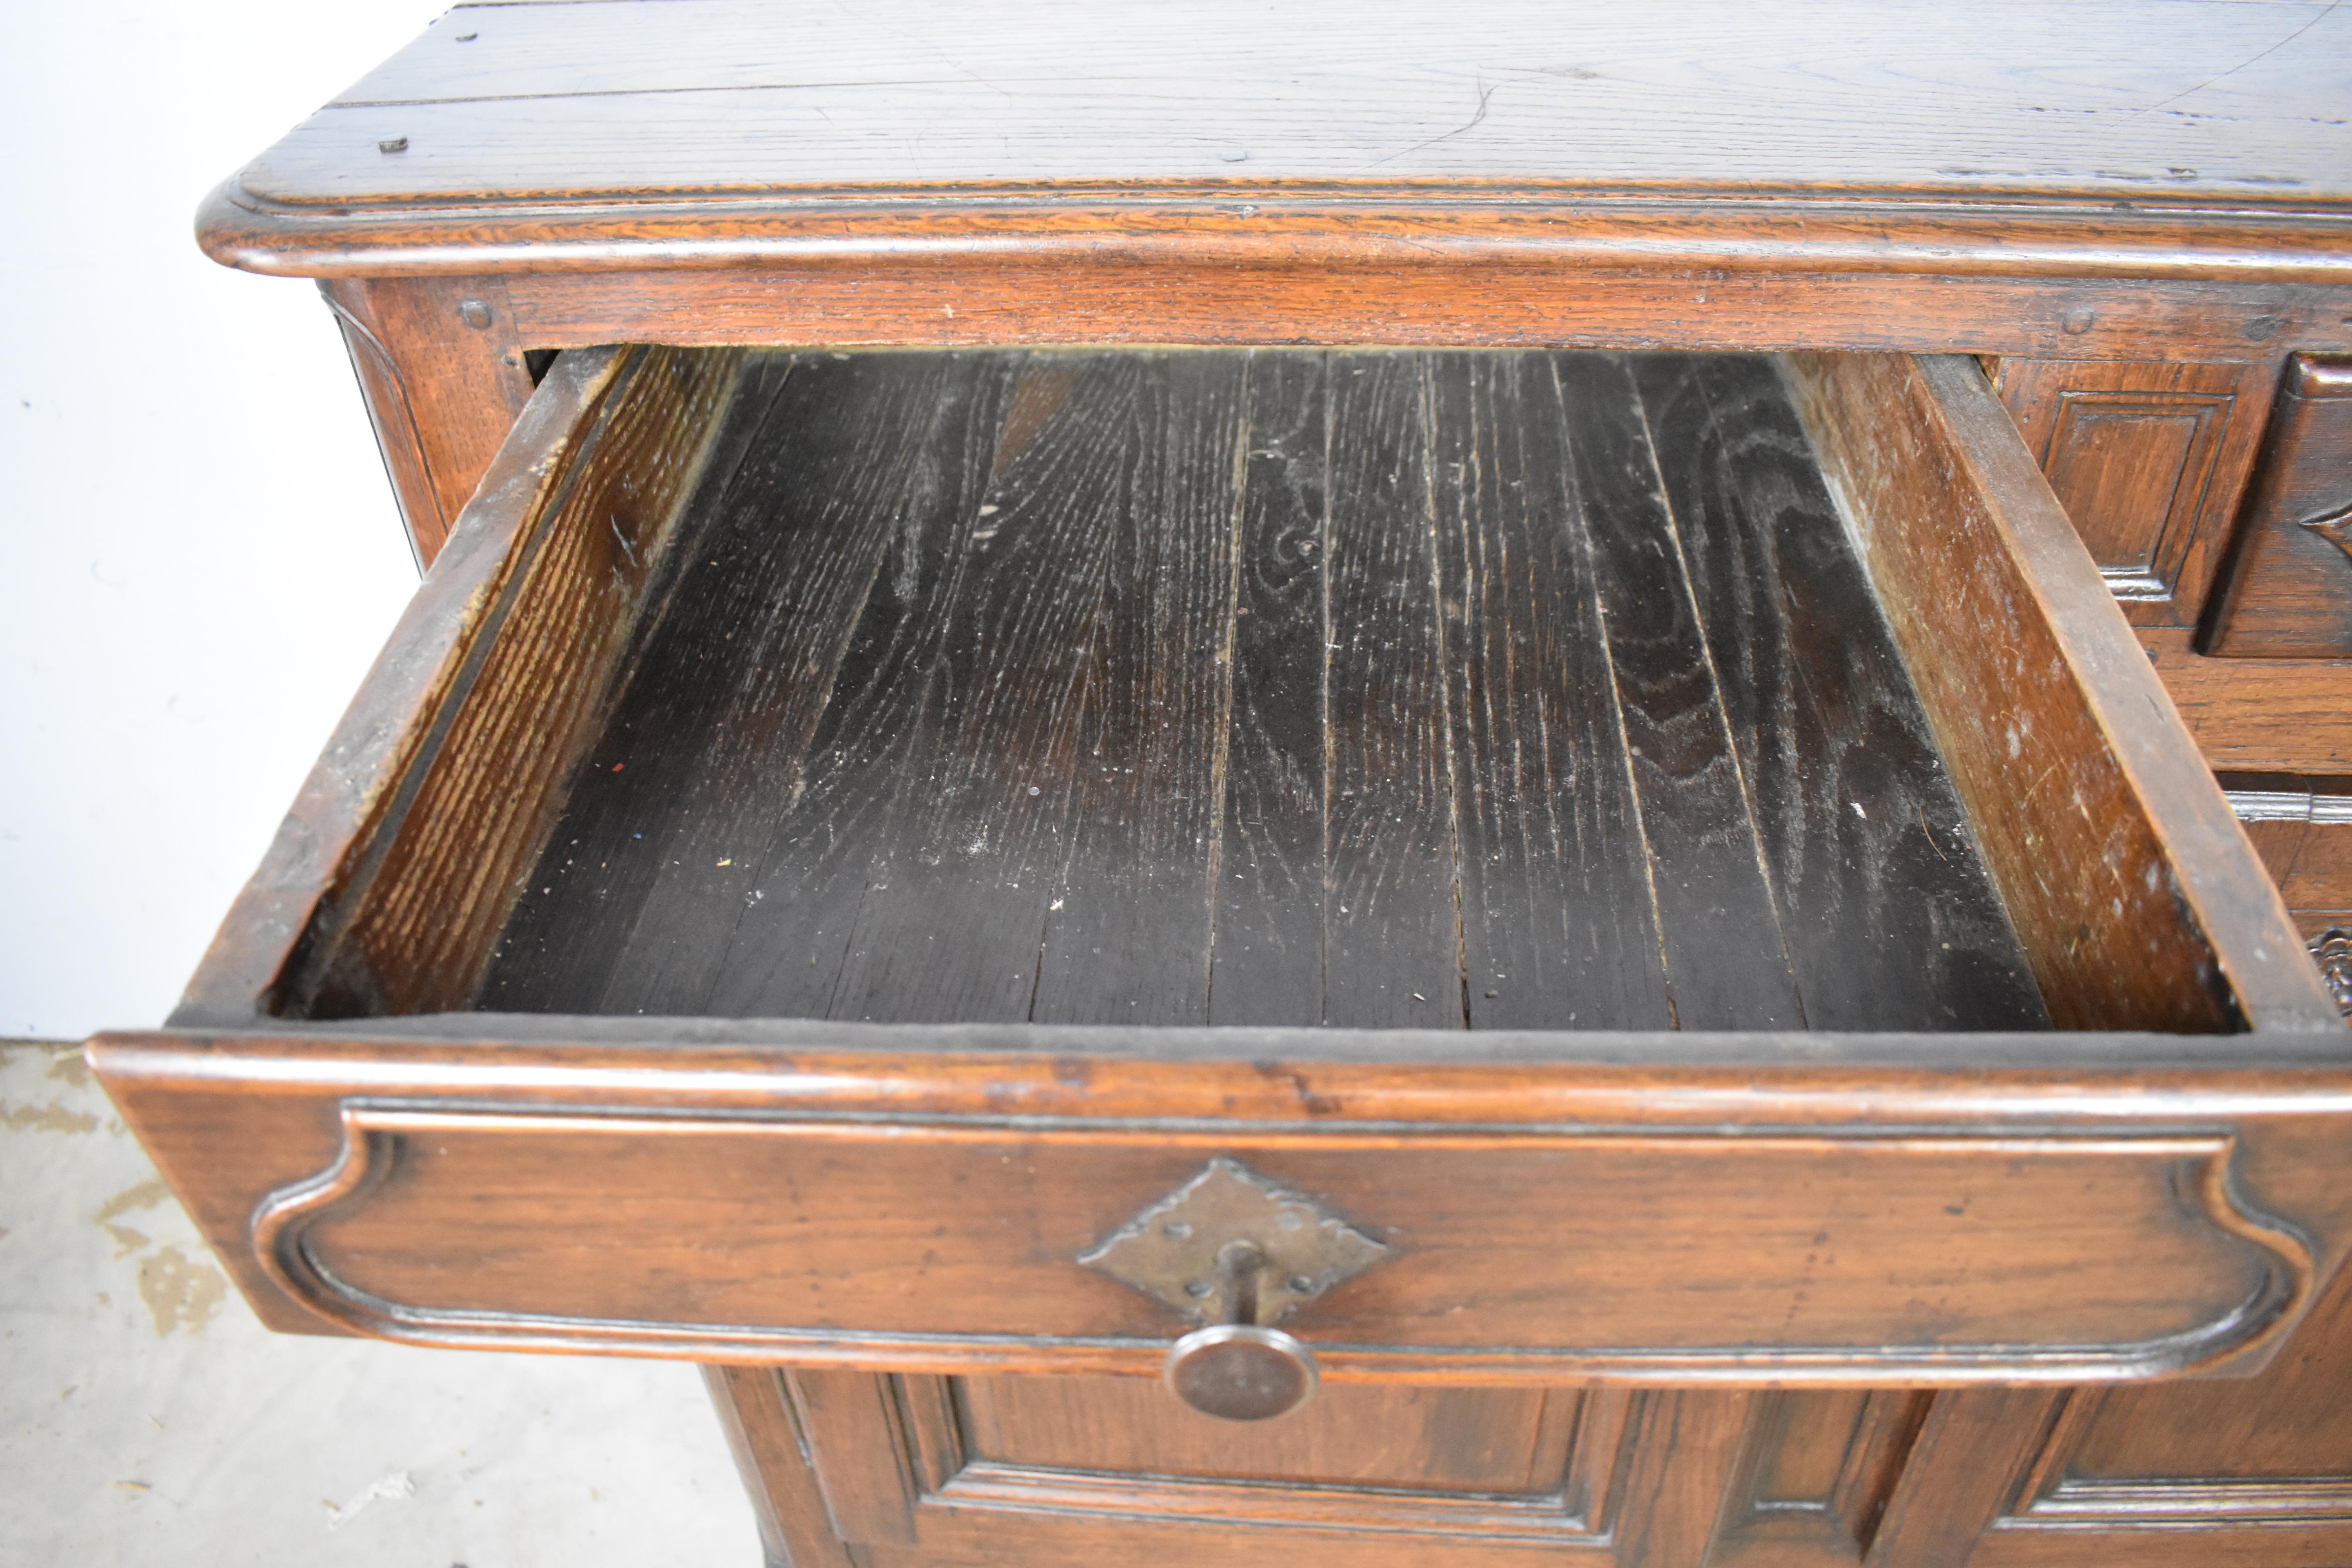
x=922 y=1472
x=852 y=1466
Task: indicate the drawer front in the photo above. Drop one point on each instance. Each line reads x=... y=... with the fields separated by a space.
x=941 y=1211
x=2289 y=594
x=1529 y=1253
x=2154 y=1187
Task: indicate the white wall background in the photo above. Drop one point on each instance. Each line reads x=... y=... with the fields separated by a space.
x=199 y=554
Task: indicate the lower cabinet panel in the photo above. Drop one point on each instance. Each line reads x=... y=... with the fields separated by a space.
x=938 y=1472
x=1497 y=1440
x=1040 y=1470
x=2254 y=1472
x=1816 y=1469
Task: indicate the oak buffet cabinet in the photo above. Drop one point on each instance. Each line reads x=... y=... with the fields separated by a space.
x=1505 y=717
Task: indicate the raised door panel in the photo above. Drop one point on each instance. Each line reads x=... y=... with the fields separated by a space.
x=2149 y=460
x=1817 y=1469
x=934 y=1471
x=1494 y=1441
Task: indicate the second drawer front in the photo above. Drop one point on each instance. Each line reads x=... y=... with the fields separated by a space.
x=949 y=1244
x=2289 y=594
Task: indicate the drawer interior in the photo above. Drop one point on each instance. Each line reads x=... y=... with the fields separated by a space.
x=1519 y=690
x=1486 y=689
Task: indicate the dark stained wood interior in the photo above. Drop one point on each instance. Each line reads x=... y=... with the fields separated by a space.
x=2086 y=798
x=1376 y=689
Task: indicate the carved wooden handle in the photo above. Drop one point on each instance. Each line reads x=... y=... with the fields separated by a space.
x=1236 y=1369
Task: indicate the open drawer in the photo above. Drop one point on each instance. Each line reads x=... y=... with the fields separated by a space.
x=1680 y=859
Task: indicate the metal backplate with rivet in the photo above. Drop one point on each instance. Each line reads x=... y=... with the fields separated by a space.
x=1170 y=1250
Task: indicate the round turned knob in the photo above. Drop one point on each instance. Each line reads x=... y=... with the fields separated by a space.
x=1237 y=1369
x=1240 y=1372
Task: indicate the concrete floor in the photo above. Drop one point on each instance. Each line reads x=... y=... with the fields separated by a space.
x=146 y=1417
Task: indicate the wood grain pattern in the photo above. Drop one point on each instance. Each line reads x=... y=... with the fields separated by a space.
x=1391 y=930
x=1492 y=90
x=1857 y=821
x=2149 y=460
x=1535 y=720
x=2291 y=1425
x=1266 y=952
x=2302 y=828
x=1380 y=279
x=1706 y=871
x=604 y=802
x=763 y=1433
x=2229 y=1473
x=2268 y=1543
x=1376 y=664
x=912 y=1464
x=978 y=856
x=2036 y=676
x=227 y=1149
x=1686 y=1443
x=886 y=1247
x=788 y=946
x=667 y=816
x=867 y=1474
x=1126 y=934
x=1062 y=1517
x=417 y=918
x=832 y=491
x=1970 y=1459
x=1816 y=1471
x=2009 y=1459
x=2256 y=715
x=1498 y=1441
x=2123 y=201
x=731 y=124
x=391 y=723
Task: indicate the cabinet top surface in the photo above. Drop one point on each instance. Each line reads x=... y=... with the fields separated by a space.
x=2214 y=125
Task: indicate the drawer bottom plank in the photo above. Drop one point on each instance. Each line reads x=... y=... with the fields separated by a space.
x=1582 y=713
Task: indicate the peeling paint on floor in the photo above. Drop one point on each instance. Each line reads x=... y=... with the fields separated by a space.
x=50 y=1118
x=179 y=1292
x=146 y=1416
x=145 y=1194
